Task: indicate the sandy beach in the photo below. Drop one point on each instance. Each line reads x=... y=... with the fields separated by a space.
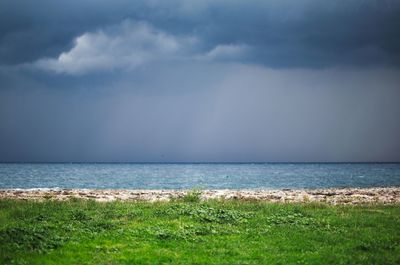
x=390 y=195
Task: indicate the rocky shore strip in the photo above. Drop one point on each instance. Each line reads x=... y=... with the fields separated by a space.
x=331 y=196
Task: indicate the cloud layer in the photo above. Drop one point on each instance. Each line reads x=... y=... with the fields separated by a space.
x=282 y=34
x=186 y=80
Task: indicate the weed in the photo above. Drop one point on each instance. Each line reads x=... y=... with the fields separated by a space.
x=209 y=214
x=290 y=218
x=192 y=196
x=80 y=216
x=30 y=239
x=185 y=232
x=100 y=225
x=40 y=218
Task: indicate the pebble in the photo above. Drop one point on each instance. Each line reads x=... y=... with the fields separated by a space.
x=389 y=195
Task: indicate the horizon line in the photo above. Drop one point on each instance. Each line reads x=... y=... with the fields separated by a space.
x=200 y=162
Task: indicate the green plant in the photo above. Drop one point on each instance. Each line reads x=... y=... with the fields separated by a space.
x=205 y=213
x=30 y=239
x=192 y=196
x=290 y=218
x=212 y=232
x=80 y=215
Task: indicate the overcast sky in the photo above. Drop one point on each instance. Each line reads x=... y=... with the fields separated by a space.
x=210 y=80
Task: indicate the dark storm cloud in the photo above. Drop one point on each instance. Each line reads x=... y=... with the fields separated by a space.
x=306 y=33
x=210 y=80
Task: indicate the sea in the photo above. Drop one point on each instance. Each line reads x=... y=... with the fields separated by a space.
x=198 y=175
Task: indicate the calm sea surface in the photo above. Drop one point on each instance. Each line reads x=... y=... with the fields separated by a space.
x=186 y=176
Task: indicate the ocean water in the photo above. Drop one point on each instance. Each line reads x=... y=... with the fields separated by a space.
x=204 y=176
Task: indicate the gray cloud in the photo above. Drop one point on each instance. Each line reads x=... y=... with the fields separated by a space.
x=199 y=80
x=306 y=33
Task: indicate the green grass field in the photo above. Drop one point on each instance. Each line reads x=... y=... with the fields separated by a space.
x=190 y=232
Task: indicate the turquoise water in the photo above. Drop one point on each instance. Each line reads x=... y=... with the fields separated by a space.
x=186 y=176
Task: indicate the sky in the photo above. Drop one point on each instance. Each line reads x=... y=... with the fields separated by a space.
x=200 y=81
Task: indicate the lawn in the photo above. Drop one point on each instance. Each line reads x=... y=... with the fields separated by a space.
x=191 y=232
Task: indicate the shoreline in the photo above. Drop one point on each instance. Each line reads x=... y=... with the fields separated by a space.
x=382 y=195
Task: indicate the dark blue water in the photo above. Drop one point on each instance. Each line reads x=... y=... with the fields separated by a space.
x=186 y=176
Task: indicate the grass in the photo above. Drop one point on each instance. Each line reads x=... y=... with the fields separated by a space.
x=193 y=232
x=192 y=196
